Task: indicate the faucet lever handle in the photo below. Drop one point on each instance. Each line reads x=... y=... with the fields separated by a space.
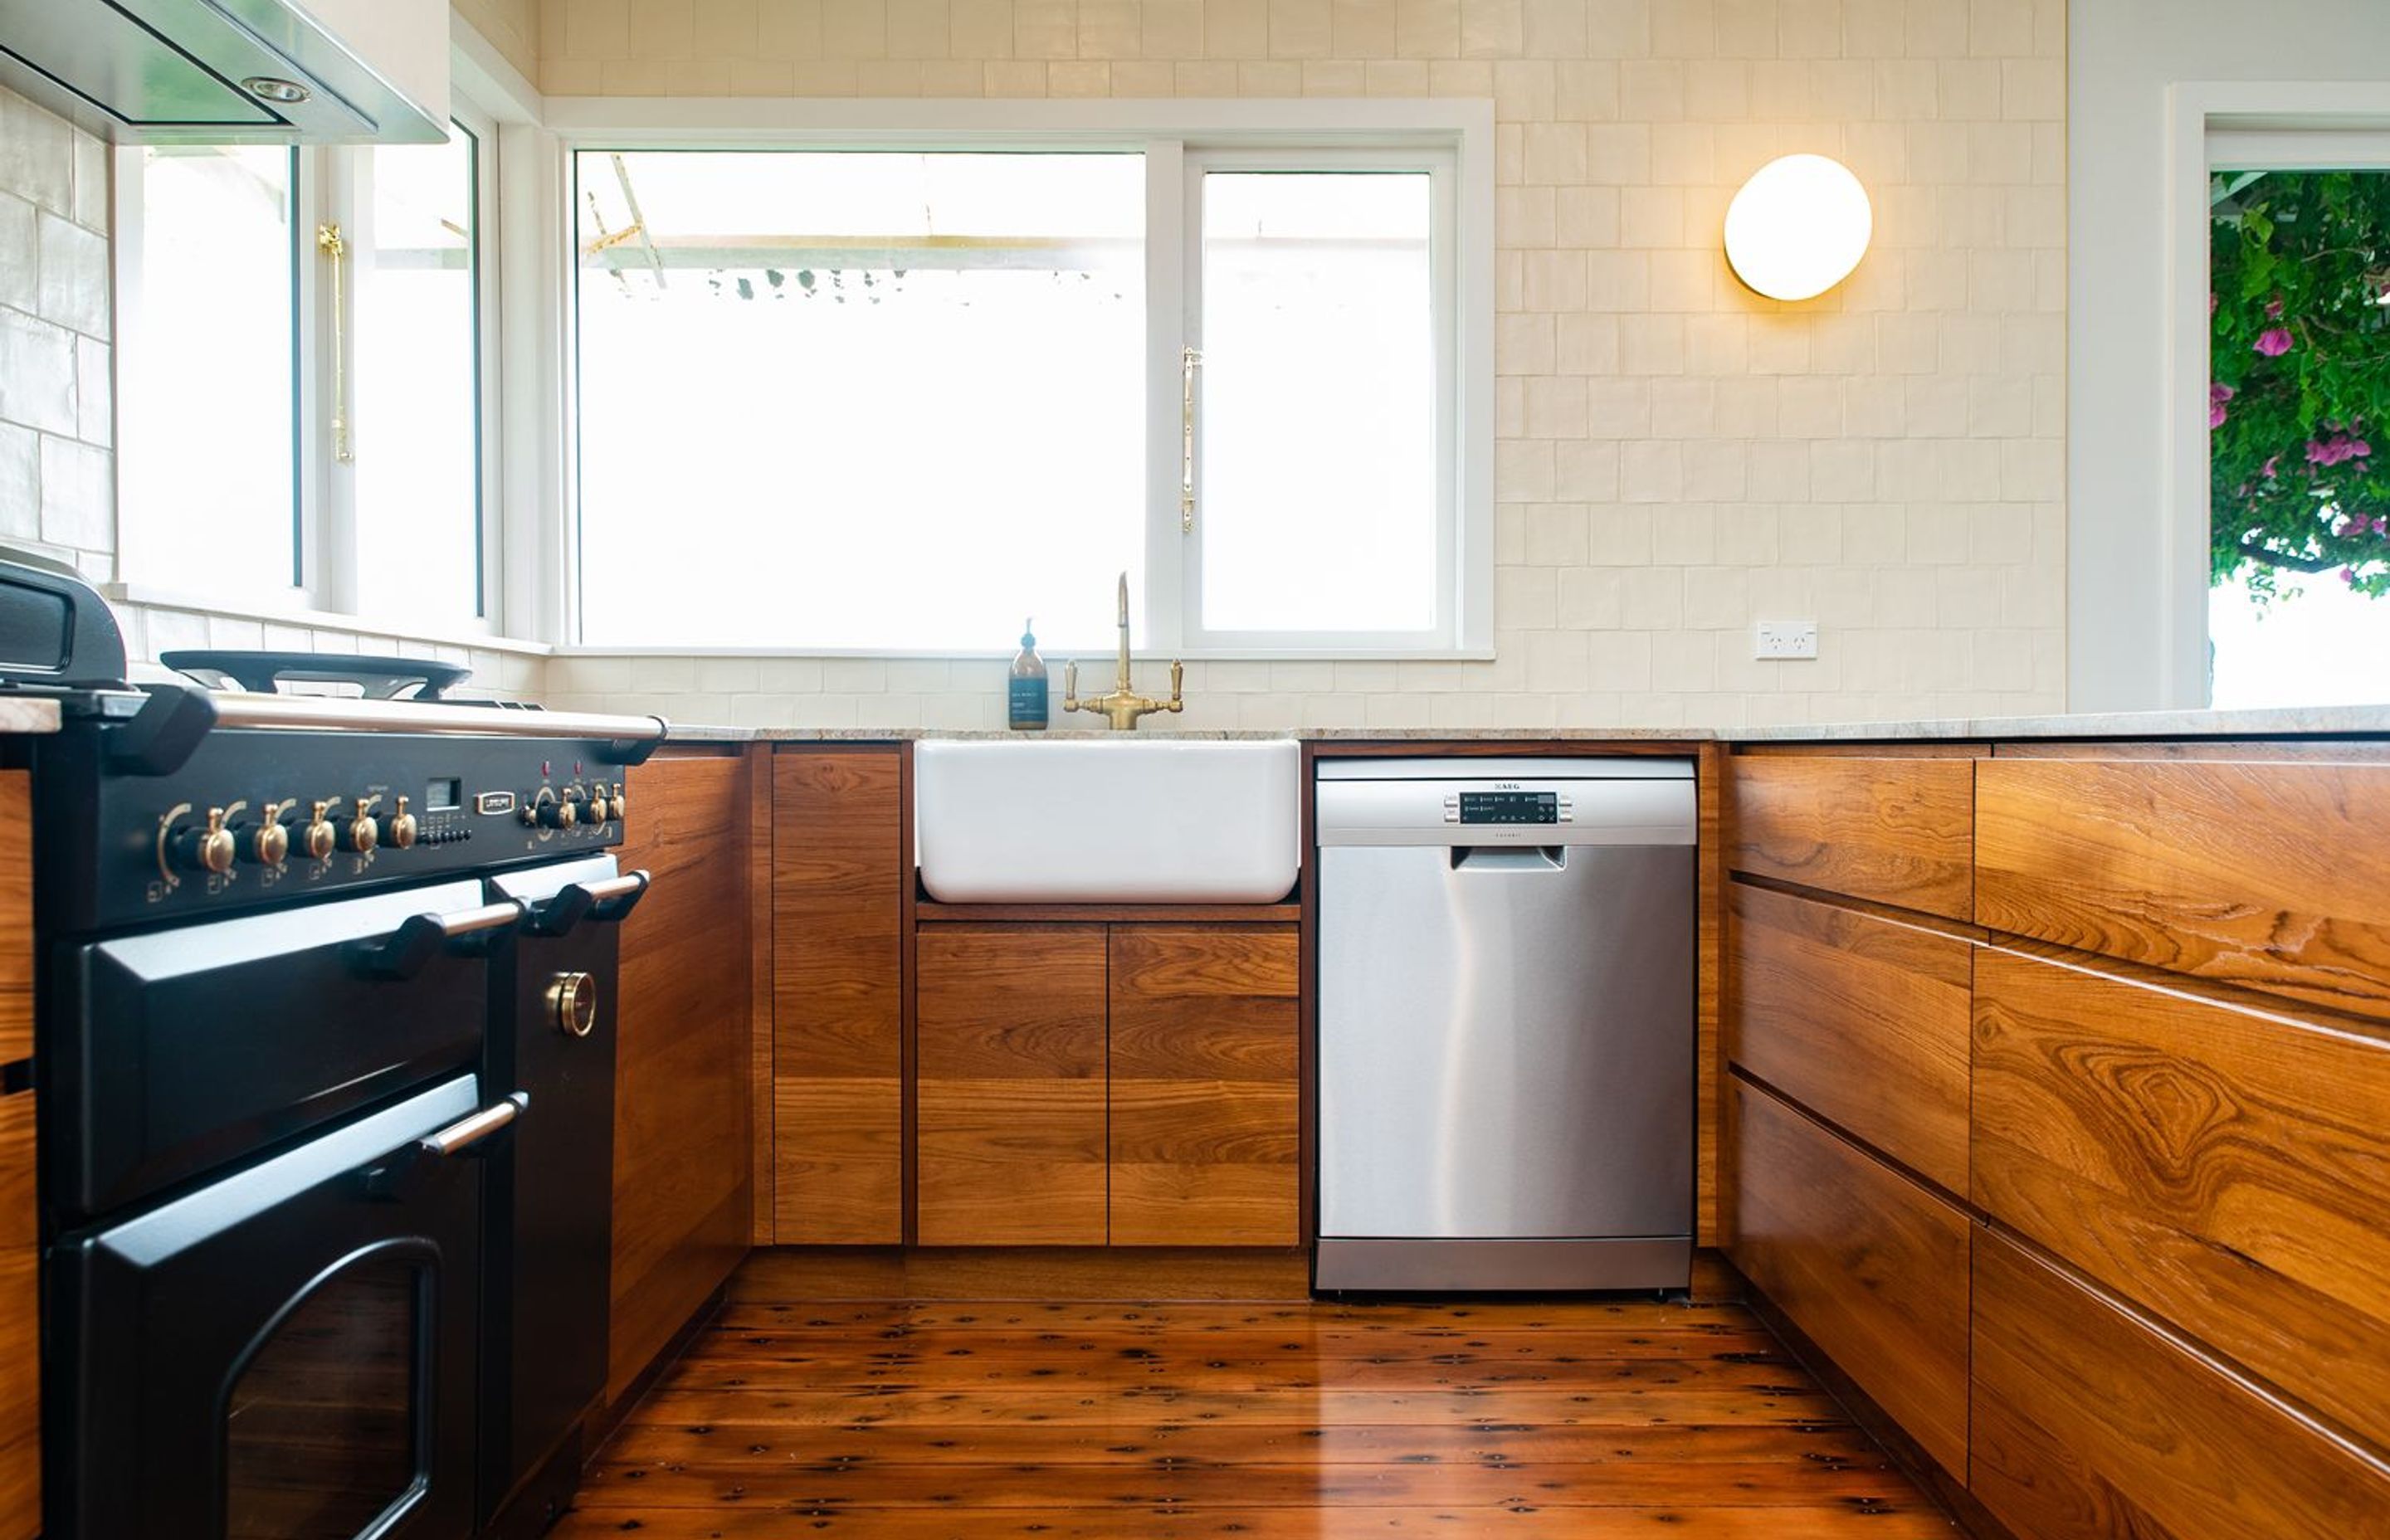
x=1071 y=685
x=1177 y=685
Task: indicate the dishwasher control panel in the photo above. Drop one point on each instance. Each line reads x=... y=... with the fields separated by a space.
x=1507 y=807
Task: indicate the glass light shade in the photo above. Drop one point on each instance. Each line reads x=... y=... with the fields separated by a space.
x=1798 y=227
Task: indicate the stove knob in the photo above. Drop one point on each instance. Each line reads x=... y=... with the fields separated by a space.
x=361 y=834
x=600 y=808
x=207 y=850
x=315 y=835
x=399 y=828
x=557 y=814
x=266 y=843
x=622 y=802
x=573 y=1003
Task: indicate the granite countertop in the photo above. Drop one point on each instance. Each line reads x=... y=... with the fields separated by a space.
x=2282 y=722
x=27 y=713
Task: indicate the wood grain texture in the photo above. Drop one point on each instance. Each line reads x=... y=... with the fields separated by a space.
x=2227 y=1169
x=2272 y=876
x=1710 y=985
x=16 y=916
x=1072 y=1275
x=1862 y=1021
x=20 y=1391
x=2088 y=1426
x=1011 y=1119
x=761 y=1111
x=1261 y=1421
x=682 y=1146
x=1868 y=1263
x=1206 y=1137
x=1896 y=829
x=838 y=1059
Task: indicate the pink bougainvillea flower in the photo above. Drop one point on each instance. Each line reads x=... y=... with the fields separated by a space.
x=2348 y=574
x=2268 y=470
x=2273 y=341
x=2218 y=394
x=2273 y=310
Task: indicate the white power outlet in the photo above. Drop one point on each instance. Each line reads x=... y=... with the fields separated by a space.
x=1785 y=639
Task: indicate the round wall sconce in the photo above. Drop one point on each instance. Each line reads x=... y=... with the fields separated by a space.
x=1798 y=227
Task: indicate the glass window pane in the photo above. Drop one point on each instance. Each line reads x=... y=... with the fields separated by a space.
x=417 y=419
x=209 y=435
x=2299 y=505
x=320 y=1430
x=1317 y=489
x=860 y=399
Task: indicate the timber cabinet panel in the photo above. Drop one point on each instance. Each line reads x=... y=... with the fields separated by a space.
x=1868 y=1263
x=1894 y=829
x=838 y=997
x=2273 y=875
x=1206 y=1113
x=1010 y=1054
x=682 y=1101
x=2088 y=1425
x=20 y=1391
x=16 y=916
x=2225 y=1168
x=1861 y=1019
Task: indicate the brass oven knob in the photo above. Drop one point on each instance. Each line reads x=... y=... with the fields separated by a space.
x=621 y=803
x=573 y=1003
x=600 y=809
x=207 y=850
x=402 y=828
x=269 y=843
x=316 y=836
x=361 y=833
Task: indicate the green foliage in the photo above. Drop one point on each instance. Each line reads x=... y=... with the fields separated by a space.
x=2300 y=265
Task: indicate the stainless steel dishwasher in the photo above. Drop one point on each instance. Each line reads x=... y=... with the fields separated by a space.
x=1506 y=1023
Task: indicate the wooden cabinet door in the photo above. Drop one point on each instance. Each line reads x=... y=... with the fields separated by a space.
x=20 y=1391
x=1009 y=1058
x=838 y=997
x=2088 y=1425
x=682 y=1099
x=1871 y=1263
x=1894 y=828
x=1205 y=1096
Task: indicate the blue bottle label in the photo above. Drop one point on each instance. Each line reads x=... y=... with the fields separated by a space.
x=1028 y=703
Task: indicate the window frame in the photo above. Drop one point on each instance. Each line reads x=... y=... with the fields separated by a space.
x=333 y=185
x=1451 y=139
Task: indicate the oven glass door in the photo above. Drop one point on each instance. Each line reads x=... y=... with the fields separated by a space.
x=289 y=1354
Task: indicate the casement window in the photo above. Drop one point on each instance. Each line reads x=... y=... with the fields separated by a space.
x=874 y=399
x=306 y=376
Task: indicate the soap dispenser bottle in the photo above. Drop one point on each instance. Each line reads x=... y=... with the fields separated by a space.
x=1027 y=696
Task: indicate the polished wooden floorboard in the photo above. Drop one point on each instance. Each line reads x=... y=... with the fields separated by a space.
x=955 y=1421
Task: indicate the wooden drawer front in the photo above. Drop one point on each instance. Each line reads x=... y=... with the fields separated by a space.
x=1895 y=830
x=1206 y=1112
x=837 y=994
x=1868 y=1263
x=2088 y=1426
x=15 y=917
x=1861 y=1019
x=2274 y=875
x=2228 y=1170
x=1010 y=1121
x=20 y=1392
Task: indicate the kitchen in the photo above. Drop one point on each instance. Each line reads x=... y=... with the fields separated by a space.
x=1618 y=901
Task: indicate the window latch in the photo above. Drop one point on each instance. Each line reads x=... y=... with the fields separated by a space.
x=1189 y=360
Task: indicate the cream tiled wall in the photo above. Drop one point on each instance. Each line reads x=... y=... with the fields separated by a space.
x=57 y=463
x=1676 y=458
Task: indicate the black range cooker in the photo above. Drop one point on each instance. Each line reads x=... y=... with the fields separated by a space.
x=324 y=1057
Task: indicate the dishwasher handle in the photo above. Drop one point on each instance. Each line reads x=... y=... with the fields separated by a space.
x=1510 y=858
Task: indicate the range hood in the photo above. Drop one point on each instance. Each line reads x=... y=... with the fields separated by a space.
x=229 y=72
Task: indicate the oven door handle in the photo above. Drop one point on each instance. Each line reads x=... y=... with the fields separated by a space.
x=402 y=1173
x=404 y=953
x=609 y=900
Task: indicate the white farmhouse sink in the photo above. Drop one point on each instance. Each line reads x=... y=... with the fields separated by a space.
x=1136 y=821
